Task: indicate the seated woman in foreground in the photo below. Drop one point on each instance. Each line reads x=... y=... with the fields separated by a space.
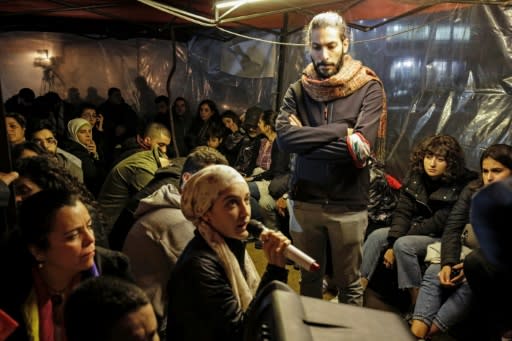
x=214 y=280
x=50 y=254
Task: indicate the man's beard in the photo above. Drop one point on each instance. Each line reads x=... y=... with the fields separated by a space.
x=328 y=74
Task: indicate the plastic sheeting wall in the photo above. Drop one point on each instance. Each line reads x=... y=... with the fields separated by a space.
x=450 y=75
x=140 y=68
x=445 y=72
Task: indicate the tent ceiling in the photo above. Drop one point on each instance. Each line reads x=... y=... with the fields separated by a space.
x=133 y=18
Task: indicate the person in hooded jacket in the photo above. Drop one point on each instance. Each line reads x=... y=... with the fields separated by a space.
x=161 y=232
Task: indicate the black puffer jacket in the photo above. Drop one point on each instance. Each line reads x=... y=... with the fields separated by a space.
x=420 y=213
x=201 y=302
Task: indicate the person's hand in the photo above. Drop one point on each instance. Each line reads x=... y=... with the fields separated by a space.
x=99 y=122
x=389 y=258
x=7 y=178
x=451 y=276
x=444 y=276
x=294 y=121
x=281 y=206
x=91 y=147
x=274 y=244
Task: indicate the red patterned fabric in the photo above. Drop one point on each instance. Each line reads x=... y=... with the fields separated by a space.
x=265 y=155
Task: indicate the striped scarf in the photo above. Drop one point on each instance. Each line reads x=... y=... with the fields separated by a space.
x=352 y=76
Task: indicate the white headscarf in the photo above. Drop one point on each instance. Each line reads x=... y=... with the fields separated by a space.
x=74 y=126
x=198 y=197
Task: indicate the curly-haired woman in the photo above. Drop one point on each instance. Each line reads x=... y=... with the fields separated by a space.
x=436 y=177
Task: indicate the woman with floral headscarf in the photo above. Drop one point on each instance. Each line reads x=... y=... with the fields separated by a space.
x=214 y=279
x=82 y=145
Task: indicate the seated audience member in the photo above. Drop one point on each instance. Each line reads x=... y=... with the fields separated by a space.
x=178 y=124
x=127 y=178
x=161 y=232
x=436 y=177
x=488 y=268
x=22 y=102
x=163 y=176
x=74 y=100
x=108 y=308
x=5 y=180
x=445 y=298
x=120 y=120
x=54 y=112
x=93 y=96
x=51 y=252
x=82 y=145
x=214 y=137
x=43 y=173
x=182 y=121
x=15 y=125
x=250 y=145
x=26 y=149
x=152 y=135
x=272 y=163
x=45 y=138
x=233 y=139
x=207 y=116
x=88 y=112
x=163 y=115
x=215 y=276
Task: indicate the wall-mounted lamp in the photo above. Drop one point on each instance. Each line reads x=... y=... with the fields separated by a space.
x=43 y=59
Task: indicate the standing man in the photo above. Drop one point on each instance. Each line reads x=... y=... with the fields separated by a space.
x=331 y=119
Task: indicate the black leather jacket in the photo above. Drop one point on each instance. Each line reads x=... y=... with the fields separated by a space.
x=201 y=302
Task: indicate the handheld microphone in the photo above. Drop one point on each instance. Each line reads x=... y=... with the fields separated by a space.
x=291 y=252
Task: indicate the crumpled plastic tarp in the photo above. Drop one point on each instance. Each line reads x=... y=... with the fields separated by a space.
x=444 y=72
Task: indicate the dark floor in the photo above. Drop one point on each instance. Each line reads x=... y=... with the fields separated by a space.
x=371 y=299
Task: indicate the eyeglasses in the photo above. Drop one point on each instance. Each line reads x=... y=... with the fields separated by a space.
x=49 y=140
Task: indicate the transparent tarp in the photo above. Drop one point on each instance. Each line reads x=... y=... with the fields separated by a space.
x=445 y=72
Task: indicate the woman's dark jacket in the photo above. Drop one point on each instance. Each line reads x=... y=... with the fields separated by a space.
x=420 y=213
x=451 y=241
x=201 y=302
x=93 y=169
x=16 y=283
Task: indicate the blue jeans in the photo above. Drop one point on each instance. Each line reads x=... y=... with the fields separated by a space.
x=376 y=242
x=409 y=251
x=443 y=306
